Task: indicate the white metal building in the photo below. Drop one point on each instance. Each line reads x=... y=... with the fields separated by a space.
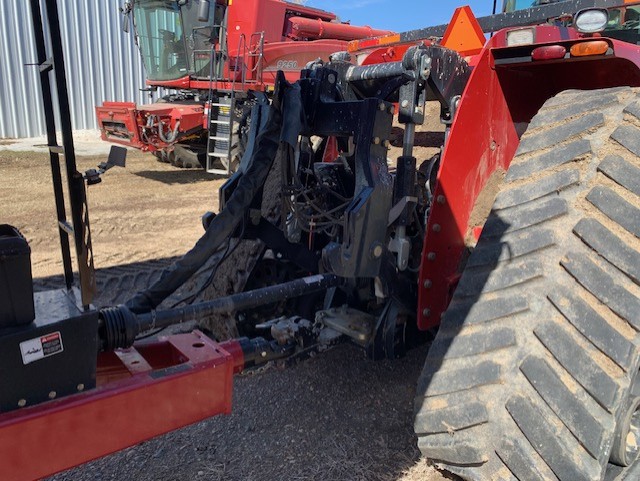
x=102 y=64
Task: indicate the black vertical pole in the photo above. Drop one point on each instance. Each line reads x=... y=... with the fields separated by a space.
x=52 y=141
x=77 y=193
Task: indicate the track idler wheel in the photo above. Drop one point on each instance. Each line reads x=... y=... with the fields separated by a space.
x=626 y=442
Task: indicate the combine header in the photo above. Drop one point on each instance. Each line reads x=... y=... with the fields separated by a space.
x=518 y=247
x=219 y=57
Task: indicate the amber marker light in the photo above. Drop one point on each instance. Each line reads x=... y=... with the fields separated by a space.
x=550 y=52
x=356 y=45
x=593 y=47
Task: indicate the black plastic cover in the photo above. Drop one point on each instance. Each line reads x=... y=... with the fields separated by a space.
x=16 y=286
x=53 y=356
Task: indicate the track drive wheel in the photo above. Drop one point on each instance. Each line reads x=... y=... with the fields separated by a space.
x=189 y=157
x=532 y=373
x=163 y=156
x=240 y=137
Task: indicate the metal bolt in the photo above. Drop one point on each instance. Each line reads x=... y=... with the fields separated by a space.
x=436 y=228
x=426 y=312
x=376 y=140
x=52 y=395
x=22 y=403
x=428 y=284
x=377 y=251
x=404 y=104
x=264 y=354
x=80 y=387
x=431 y=256
x=382 y=106
x=440 y=199
x=331 y=78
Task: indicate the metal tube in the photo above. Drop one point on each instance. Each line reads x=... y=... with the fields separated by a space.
x=52 y=141
x=77 y=192
x=409 y=139
x=302 y=27
x=374 y=72
x=238 y=302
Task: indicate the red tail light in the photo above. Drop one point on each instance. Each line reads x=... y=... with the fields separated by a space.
x=551 y=52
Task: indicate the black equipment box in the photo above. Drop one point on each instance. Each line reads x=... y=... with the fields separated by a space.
x=52 y=357
x=16 y=286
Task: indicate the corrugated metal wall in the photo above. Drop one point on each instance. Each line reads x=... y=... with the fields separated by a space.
x=102 y=64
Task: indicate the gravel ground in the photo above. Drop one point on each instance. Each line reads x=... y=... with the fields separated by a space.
x=335 y=417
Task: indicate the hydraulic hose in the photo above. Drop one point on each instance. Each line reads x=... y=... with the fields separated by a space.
x=173 y=135
x=224 y=224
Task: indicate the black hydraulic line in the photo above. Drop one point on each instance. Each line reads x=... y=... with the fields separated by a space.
x=45 y=83
x=225 y=223
x=120 y=326
x=77 y=193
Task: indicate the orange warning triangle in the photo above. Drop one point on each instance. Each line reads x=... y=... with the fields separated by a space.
x=464 y=33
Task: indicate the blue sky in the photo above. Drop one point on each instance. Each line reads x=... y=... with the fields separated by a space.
x=400 y=15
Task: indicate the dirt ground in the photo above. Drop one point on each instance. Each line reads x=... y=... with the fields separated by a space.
x=334 y=417
x=147 y=211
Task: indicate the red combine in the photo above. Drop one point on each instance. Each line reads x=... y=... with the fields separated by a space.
x=219 y=57
x=518 y=247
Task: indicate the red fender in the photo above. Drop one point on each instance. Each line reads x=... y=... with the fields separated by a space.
x=497 y=105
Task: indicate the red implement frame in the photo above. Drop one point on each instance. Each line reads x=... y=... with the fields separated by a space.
x=142 y=392
x=127 y=124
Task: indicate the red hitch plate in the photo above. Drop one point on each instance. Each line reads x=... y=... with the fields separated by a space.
x=142 y=392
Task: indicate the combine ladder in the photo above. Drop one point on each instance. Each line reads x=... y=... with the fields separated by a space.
x=222 y=109
x=220 y=140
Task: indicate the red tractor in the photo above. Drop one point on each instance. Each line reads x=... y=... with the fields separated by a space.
x=219 y=57
x=519 y=245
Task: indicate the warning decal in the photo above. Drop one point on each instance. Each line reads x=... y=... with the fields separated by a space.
x=41 y=347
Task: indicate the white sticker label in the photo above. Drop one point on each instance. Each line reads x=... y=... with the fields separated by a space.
x=41 y=347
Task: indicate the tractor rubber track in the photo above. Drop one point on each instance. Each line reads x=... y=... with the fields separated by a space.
x=537 y=352
x=188 y=157
x=117 y=284
x=234 y=270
